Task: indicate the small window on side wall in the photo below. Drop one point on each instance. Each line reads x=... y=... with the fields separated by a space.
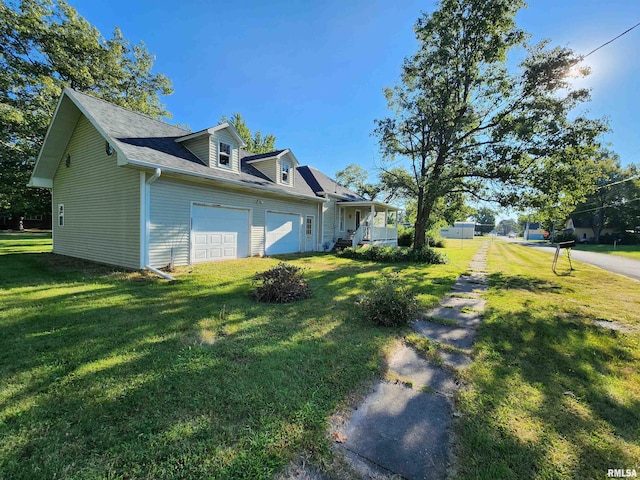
x=61 y=214
x=224 y=155
x=286 y=173
x=342 y=219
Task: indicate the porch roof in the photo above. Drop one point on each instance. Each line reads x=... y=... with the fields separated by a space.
x=369 y=203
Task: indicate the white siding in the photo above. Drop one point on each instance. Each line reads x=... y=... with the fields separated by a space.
x=101 y=203
x=171 y=215
x=269 y=168
x=330 y=222
x=199 y=147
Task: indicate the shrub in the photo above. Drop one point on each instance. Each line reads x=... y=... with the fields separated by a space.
x=283 y=283
x=565 y=236
x=394 y=255
x=389 y=303
x=621 y=238
x=405 y=237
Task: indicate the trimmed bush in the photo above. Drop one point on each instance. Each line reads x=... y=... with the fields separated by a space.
x=283 y=283
x=376 y=253
x=389 y=303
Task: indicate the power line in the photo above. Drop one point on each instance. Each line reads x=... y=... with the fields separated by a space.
x=619 y=181
x=619 y=204
x=610 y=41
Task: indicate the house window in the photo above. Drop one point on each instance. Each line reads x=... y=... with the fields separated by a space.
x=341 y=218
x=61 y=215
x=224 y=155
x=285 y=173
x=309 y=225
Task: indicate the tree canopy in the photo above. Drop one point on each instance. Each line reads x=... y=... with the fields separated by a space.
x=464 y=125
x=485 y=219
x=44 y=46
x=614 y=203
x=356 y=178
x=256 y=143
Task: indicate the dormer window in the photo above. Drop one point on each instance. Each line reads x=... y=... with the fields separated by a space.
x=285 y=175
x=224 y=155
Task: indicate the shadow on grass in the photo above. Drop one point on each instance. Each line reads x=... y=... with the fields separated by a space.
x=545 y=389
x=109 y=373
x=503 y=281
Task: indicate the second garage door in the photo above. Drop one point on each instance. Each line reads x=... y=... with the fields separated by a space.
x=283 y=233
x=218 y=233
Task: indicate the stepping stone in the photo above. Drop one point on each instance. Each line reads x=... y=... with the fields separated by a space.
x=401 y=430
x=457 y=336
x=458 y=361
x=464 y=286
x=406 y=362
x=459 y=302
x=462 y=319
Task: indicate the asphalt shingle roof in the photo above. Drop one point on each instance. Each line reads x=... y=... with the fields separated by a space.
x=144 y=139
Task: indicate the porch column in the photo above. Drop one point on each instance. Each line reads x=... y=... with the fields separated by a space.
x=386 y=219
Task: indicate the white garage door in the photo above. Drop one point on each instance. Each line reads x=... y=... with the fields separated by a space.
x=218 y=233
x=283 y=233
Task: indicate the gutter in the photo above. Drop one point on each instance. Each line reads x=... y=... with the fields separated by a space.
x=160 y=272
x=237 y=183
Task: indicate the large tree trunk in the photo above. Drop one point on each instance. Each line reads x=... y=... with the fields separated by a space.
x=425 y=205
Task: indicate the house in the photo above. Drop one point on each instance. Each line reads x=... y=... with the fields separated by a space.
x=462 y=230
x=534 y=231
x=136 y=192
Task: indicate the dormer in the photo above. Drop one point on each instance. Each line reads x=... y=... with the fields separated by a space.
x=278 y=166
x=218 y=147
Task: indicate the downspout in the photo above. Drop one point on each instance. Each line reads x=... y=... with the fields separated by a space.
x=147 y=193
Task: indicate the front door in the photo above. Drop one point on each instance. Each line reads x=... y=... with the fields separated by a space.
x=358 y=219
x=309 y=234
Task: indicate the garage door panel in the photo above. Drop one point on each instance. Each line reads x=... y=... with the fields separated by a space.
x=219 y=233
x=282 y=233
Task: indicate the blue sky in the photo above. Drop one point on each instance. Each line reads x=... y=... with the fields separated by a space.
x=312 y=72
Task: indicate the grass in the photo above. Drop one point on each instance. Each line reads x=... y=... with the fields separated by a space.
x=108 y=374
x=551 y=394
x=629 y=251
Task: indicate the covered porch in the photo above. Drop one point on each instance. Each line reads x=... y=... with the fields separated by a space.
x=369 y=222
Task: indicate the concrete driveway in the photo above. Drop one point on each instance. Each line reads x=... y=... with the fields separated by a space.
x=621 y=265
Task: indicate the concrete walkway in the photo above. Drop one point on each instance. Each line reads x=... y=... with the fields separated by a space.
x=402 y=427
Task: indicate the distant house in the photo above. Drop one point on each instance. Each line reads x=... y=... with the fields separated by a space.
x=462 y=230
x=132 y=191
x=584 y=231
x=533 y=231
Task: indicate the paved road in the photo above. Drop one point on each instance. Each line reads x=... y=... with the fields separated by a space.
x=613 y=263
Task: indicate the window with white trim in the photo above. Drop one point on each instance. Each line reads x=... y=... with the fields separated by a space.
x=61 y=214
x=285 y=175
x=341 y=219
x=309 y=226
x=224 y=155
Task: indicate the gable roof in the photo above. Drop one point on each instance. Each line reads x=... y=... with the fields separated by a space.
x=144 y=142
x=209 y=131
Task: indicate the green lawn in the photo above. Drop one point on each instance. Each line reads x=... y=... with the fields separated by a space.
x=107 y=374
x=629 y=251
x=551 y=394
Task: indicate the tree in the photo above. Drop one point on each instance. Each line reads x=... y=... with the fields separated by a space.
x=44 y=46
x=355 y=177
x=614 y=201
x=507 y=225
x=465 y=125
x=256 y=143
x=486 y=220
